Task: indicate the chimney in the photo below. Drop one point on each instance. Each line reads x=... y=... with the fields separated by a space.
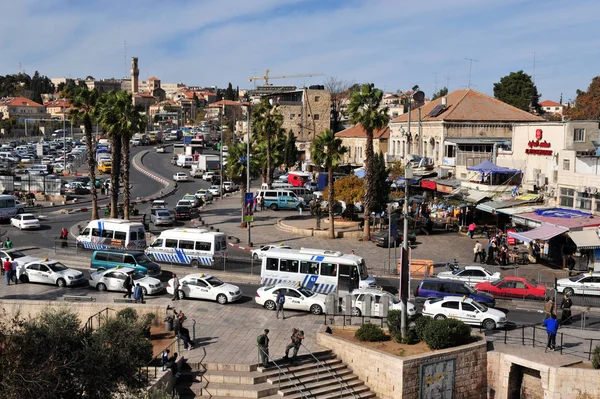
x=135 y=74
x=444 y=101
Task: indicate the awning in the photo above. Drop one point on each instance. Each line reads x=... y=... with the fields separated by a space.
x=477 y=140
x=428 y=184
x=543 y=233
x=493 y=206
x=477 y=196
x=585 y=239
x=521 y=209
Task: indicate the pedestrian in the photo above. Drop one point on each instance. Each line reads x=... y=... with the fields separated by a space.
x=280 y=301
x=549 y=308
x=536 y=251
x=352 y=252
x=128 y=285
x=565 y=305
x=177 y=323
x=551 y=328
x=184 y=334
x=296 y=342
x=570 y=263
x=8 y=244
x=7 y=266
x=64 y=234
x=477 y=250
x=262 y=203
x=138 y=293
x=471 y=230
x=14 y=268
x=546 y=249
x=164 y=359
x=175 y=288
x=263 y=348
x=255 y=203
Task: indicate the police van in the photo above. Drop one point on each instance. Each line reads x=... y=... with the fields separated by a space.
x=194 y=247
x=113 y=233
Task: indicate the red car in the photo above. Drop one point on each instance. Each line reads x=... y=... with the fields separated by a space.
x=513 y=287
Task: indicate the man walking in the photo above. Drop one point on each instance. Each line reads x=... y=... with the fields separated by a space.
x=551 y=328
x=263 y=348
x=549 y=308
x=8 y=244
x=138 y=293
x=478 y=252
x=280 y=302
x=565 y=305
x=175 y=288
x=14 y=266
x=297 y=337
x=7 y=266
x=128 y=285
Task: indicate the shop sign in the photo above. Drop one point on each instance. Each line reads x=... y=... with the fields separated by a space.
x=538 y=143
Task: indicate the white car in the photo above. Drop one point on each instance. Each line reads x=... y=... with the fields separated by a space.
x=230 y=186
x=194 y=201
x=470 y=275
x=204 y=195
x=260 y=252
x=16 y=255
x=377 y=296
x=184 y=203
x=113 y=279
x=587 y=283
x=208 y=176
x=180 y=176
x=296 y=298
x=466 y=310
x=20 y=206
x=215 y=190
x=160 y=149
x=49 y=272
x=205 y=286
x=25 y=221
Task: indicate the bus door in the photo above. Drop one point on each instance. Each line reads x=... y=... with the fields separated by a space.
x=345 y=283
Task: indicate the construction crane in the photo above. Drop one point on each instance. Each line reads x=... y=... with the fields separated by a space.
x=267 y=77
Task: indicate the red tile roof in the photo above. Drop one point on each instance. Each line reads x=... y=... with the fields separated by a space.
x=19 y=102
x=228 y=102
x=359 y=131
x=471 y=105
x=153 y=78
x=58 y=103
x=550 y=103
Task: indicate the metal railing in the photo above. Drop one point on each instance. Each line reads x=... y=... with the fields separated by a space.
x=382 y=321
x=67 y=247
x=103 y=314
x=334 y=376
x=298 y=390
x=157 y=361
x=202 y=372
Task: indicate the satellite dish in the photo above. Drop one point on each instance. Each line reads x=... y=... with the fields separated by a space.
x=419 y=96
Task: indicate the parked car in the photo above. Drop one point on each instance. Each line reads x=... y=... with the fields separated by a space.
x=161 y=216
x=205 y=195
x=513 y=287
x=14 y=255
x=466 y=310
x=194 y=201
x=380 y=238
x=261 y=252
x=183 y=212
x=76 y=188
x=215 y=190
x=296 y=298
x=436 y=288
x=471 y=275
x=113 y=279
x=230 y=186
x=180 y=176
x=25 y=221
x=377 y=298
x=184 y=202
x=205 y=286
x=208 y=176
x=49 y=272
x=588 y=284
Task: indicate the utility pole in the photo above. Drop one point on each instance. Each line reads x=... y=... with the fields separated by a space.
x=404 y=268
x=447 y=77
x=471 y=60
x=221 y=127
x=65 y=136
x=248 y=168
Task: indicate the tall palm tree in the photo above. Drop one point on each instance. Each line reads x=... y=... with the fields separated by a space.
x=237 y=166
x=266 y=124
x=83 y=109
x=327 y=151
x=365 y=109
x=133 y=122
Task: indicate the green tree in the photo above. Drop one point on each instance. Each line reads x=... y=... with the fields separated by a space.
x=587 y=103
x=83 y=110
x=440 y=93
x=266 y=124
x=237 y=164
x=290 y=156
x=327 y=151
x=365 y=108
x=229 y=93
x=350 y=189
x=382 y=185
x=518 y=90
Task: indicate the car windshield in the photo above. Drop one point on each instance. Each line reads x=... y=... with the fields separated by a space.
x=142 y=259
x=57 y=267
x=455 y=272
x=480 y=307
x=16 y=254
x=362 y=269
x=306 y=292
x=138 y=275
x=576 y=278
x=532 y=284
x=215 y=282
x=189 y=197
x=497 y=282
x=29 y=217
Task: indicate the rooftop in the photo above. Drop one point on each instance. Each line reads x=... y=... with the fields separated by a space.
x=550 y=103
x=359 y=131
x=19 y=102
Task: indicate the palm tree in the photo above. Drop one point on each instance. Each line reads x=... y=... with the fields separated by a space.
x=364 y=109
x=236 y=169
x=266 y=124
x=83 y=109
x=133 y=122
x=327 y=151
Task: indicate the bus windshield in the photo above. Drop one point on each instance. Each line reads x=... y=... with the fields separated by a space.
x=362 y=270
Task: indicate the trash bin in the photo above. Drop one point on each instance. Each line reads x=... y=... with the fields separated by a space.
x=169 y=325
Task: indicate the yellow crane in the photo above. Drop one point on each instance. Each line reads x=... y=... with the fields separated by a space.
x=267 y=77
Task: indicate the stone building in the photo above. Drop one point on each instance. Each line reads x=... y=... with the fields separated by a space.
x=58 y=109
x=355 y=140
x=20 y=108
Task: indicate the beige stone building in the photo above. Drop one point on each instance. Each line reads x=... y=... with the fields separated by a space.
x=21 y=108
x=552 y=107
x=355 y=140
x=58 y=109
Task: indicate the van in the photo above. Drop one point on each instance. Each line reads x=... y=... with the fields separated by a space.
x=436 y=288
x=280 y=199
x=104 y=166
x=38 y=169
x=194 y=247
x=277 y=184
x=298 y=179
x=185 y=161
x=302 y=192
x=108 y=259
x=113 y=233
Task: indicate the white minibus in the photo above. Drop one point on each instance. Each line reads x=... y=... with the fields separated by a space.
x=194 y=247
x=113 y=233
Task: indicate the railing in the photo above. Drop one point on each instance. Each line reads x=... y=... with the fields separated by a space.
x=67 y=246
x=335 y=377
x=158 y=359
x=345 y=317
x=202 y=372
x=89 y=324
x=298 y=390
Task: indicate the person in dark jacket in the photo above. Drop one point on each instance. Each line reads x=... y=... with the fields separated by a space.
x=128 y=285
x=551 y=328
x=565 y=305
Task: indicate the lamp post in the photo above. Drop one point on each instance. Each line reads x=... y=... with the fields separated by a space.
x=404 y=271
x=64 y=132
x=221 y=128
x=248 y=167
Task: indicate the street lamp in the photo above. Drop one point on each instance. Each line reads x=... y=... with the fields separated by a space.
x=405 y=266
x=418 y=96
x=248 y=167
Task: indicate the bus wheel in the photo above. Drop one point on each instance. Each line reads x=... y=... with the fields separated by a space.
x=195 y=263
x=20 y=210
x=270 y=305
x=273 y=207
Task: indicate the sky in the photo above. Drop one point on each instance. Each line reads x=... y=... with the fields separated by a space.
x=394 y=44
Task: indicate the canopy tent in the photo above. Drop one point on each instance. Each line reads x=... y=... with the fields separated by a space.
x=487 y=167
x=544 y=233
x=477 y=196
x=585 y=239
x=360 y=173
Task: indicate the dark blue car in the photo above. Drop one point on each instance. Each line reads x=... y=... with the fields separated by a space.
x=436 y=288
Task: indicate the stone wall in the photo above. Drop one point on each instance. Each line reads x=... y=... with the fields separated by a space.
x=393 y=377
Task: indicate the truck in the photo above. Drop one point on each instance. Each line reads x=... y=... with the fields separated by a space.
x=155 y=137
x=208 y=162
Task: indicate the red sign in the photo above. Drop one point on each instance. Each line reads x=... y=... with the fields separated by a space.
x=538 y=134
x=511 y=240
x=531 y=151
x=538 y=143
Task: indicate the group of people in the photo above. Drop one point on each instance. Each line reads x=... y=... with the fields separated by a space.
x=497 y=248
x=259 y=202
x=9 y=270
x=550 y=321
x=133 y=289
x=263 y=346
x=181 y=332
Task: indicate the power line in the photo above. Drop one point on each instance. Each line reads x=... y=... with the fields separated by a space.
x=471 y=60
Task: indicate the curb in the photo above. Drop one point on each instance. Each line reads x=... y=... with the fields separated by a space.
x=239 y=247
x=151 y=175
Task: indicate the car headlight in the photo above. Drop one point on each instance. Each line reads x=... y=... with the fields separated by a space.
x=71 y=277
x=503 y=319
x=231 y=293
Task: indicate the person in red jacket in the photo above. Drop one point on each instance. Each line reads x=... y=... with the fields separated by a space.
x=7 y=266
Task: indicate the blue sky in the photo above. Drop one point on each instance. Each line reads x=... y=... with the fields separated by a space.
x=393 y=43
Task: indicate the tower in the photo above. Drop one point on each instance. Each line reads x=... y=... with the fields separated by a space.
x=135 y=74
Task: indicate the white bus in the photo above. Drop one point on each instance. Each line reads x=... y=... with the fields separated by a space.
x=8 y=207
x=113 y=233
x=178 y=148
x=194 y=247
x=318 y=270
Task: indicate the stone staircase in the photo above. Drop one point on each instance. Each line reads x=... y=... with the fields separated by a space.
x=305 y=378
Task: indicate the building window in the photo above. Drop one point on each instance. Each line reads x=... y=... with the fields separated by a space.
x=567 y=197
x=556 y=108
x=584 y=201
x=292 y=116
x=317 y=98
x=566 y=164
x=316 y=117
x=450 y=151
x=555 y=176
x=578 y=135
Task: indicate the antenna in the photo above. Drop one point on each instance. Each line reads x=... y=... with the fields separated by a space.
x=533 y=68
x=435 y=82
x=125 y=57
x=447 y=77
x=20 y=67
x=471 y=60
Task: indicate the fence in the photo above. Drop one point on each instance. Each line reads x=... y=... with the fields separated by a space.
x=31 y=183
x=95 y=321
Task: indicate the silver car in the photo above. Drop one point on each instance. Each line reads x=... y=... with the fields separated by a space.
x=161 y=216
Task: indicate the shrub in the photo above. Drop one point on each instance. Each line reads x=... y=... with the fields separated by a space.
x=596 y=357
x=420 y=325
x=411 y=337
x=446 y=333
x=394 y=322
x=128 y=314
x=371 y=333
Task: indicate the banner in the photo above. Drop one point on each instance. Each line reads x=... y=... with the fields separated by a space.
x=248 y=207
